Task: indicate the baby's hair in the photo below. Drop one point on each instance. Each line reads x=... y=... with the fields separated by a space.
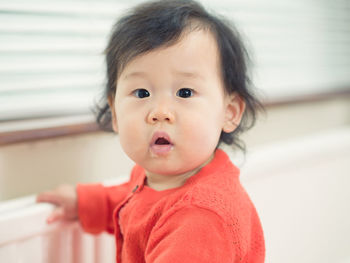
x=156 y=24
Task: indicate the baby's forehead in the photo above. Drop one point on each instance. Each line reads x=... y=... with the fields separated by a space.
x=192 y=47
x=193 y=51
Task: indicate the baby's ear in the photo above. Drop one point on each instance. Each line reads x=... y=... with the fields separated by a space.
x=234 y=109
x=114 y=115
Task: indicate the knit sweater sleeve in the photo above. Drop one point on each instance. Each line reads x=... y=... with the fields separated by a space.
x=191 y=234
x=96 y=204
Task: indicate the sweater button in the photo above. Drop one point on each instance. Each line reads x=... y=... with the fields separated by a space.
x=135 y=188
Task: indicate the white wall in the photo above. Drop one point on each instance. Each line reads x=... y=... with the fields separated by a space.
x=300 y=187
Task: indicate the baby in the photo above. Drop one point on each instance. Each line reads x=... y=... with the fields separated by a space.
x=177 y=88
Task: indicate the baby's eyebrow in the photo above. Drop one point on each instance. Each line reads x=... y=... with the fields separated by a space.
x=134 y=74
x=186 y=74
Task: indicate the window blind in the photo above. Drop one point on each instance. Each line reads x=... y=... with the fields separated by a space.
x=299 y=47
x=51 y=61
x=51 y=56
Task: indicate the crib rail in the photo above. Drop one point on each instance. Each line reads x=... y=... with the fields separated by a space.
x=26 y=237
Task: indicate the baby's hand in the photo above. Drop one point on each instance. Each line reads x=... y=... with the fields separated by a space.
x=65 y=199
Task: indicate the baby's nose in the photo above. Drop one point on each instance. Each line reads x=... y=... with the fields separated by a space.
x=159 y=114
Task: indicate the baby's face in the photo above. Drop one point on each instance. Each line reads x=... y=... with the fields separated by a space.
x=170 y=105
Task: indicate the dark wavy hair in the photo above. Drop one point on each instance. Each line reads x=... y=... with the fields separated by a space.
x=160 y=23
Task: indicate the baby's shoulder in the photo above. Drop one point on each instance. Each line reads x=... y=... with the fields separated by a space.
x=227 y=198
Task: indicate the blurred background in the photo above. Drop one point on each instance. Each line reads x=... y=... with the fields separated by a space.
x=52 y=73
x=52 y=64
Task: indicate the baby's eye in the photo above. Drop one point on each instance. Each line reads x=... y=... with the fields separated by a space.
x=141 y=93
x=184 y=93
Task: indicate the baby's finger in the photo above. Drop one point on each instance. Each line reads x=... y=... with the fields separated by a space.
x=49 y=197
x=56 y=215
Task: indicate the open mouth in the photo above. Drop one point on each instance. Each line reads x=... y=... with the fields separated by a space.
x=161 y=138
x=161 y=141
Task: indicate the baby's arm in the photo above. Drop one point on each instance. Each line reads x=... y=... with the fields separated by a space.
x=91 y=204
x=65 y=199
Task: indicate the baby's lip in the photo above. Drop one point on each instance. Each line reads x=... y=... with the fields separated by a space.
x=160 y=134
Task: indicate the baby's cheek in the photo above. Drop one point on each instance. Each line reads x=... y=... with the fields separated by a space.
x=202 y=133
x=197 y=146
x=130 y=135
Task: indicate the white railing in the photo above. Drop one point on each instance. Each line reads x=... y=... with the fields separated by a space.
x=26 y=237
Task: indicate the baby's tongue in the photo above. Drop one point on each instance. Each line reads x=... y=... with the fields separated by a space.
x=161 y=141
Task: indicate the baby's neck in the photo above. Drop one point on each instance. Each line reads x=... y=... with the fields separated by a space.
x=161 y=182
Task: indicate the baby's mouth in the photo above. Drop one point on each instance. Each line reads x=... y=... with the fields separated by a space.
x=161 y=138
x=161 y=143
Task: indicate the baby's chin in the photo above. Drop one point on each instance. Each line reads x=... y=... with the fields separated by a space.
x=173 y=170
x=167 y=171
x=172 y=164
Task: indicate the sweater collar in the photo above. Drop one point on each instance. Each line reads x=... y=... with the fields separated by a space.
x=220 y=163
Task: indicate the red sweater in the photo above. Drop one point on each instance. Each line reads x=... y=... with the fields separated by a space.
x=208 y=219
